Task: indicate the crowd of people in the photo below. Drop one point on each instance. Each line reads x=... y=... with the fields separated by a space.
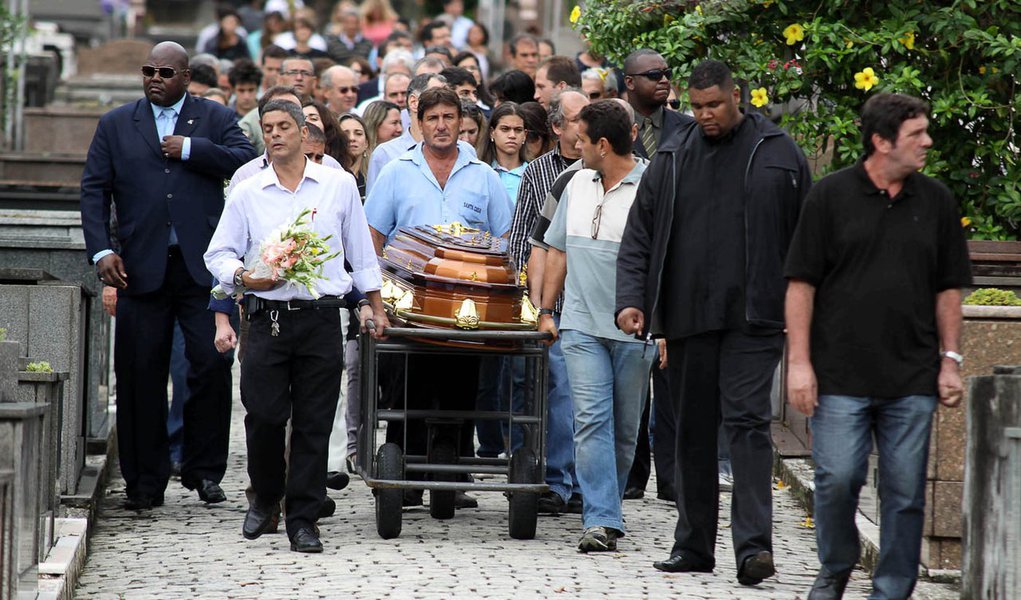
x=655 y=245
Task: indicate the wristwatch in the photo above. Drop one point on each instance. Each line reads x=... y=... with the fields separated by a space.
x=546 y=311
x=239 y=277
x=957 y=358
x=363 y=302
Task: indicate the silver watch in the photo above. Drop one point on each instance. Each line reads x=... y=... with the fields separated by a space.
x=957 y=358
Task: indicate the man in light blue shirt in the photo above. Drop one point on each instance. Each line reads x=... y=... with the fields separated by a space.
x=437 y=182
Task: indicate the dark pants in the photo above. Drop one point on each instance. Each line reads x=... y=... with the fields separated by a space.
x=664 y=433
x=724 y=374
x=179 y=381
x=143 y=340
x=641 y=467
x=294 y=375
x=435 y=381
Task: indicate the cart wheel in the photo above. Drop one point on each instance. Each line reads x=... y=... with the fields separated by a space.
x=389 y=465
x=524 y=506
x=441 y=502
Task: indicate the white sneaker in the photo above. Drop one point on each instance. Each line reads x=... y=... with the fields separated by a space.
x=726 y=482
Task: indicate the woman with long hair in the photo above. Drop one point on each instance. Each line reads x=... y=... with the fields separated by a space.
x=228 y=43
x=382 y=121
x=474 y=130
x=505 y=149
x=540 y=139
x=358 y=159
x=469 y=62
x=336 y=144
x=273 y=24
x=378 y=19
x=478 y=44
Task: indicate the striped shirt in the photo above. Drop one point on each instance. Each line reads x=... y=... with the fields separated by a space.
x=535 y=184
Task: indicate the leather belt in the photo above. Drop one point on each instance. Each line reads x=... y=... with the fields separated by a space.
x=289 y=305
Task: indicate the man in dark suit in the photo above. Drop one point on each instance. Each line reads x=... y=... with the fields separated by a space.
x=647 y=78
x=162 y=161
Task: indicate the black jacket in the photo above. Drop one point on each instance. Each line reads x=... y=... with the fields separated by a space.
x=777 y=180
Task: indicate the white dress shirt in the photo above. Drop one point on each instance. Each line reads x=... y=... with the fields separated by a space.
x=261 y=204
x=260 y=163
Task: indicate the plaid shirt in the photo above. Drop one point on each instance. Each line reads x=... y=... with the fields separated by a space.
x=535 y=184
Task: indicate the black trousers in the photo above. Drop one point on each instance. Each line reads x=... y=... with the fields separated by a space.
x=142 y=345
x=293 y=375
x=434 y=381
x=665 y=432
x=728 y=375
x=641 y=466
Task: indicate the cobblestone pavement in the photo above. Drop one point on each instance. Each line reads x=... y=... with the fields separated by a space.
x=186 y=549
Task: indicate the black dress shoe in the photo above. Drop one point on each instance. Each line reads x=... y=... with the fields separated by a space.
x=306 y=540
x=666 y=495
x=575 y=504
x=634 y=493
x=175 y=469
x=142 y=501
x=829 y=587
x=463 y=500
x=337 y=480
x=210 y=491
x=683 y=564
x=551 y=503
x=259 y=519
x=755 y=568
x=327 y=508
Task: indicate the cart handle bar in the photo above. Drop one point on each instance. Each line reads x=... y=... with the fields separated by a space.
x=451 y=334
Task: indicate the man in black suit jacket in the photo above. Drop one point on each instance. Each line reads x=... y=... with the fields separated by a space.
x=163 y=160
x=647 y=78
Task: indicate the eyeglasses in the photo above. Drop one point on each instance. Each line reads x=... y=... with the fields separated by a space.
x=674 y=104
x=596 y=219
x=296 y=72
x=595 y=95
x=654 y=75
x=165 y=72
x=347 y=90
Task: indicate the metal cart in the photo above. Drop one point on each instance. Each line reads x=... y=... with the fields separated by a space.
x=385 y=469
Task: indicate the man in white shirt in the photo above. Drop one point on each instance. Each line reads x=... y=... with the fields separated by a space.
x=293 y=364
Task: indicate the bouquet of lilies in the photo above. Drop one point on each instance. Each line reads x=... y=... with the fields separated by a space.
x=292 y=253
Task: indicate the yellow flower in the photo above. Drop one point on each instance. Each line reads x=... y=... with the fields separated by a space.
x=865 y=79
x=575 y=14
x=965 y=222
x=848 y=43
x=794 y=34
x=698 y=9
x=982 y=70
x=908 y=40
x=760 y=97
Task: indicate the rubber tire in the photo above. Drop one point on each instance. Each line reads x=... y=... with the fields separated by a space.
x=389 y=501
x=441 y=502
x=524 y=506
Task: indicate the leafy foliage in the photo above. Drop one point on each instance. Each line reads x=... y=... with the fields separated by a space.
x=813 y=60
x=992 y=297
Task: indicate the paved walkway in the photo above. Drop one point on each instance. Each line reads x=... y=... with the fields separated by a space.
x=188 y=550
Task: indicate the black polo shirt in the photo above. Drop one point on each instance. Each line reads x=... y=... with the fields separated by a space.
x=877 y=265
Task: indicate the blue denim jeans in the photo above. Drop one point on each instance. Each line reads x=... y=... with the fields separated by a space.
x=608 y=379
x=842 y=430
x=560 y=475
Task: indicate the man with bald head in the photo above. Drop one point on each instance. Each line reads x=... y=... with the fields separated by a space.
x=159 y=164
x=340 y=89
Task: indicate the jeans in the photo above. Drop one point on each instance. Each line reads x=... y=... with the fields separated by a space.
x=488 y=398
x=608 y=385
x=842 y=430
x=560 y=475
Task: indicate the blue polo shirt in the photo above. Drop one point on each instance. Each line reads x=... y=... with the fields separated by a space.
x=407 y=194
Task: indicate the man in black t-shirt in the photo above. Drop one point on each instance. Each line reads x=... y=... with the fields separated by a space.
x=875 y=271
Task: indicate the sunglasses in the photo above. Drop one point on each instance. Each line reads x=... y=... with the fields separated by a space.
x=165 y=72
x=596 y=219
x=595 y=95
x=654 y=75
x=674 y=104
x=347 y=90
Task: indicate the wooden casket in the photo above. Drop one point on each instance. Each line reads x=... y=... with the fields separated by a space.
x=454 y=277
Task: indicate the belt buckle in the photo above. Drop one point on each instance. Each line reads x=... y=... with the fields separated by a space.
x=290 y=308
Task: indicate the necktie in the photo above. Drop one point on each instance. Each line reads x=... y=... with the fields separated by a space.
x=648 y=137
x=165 y=123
